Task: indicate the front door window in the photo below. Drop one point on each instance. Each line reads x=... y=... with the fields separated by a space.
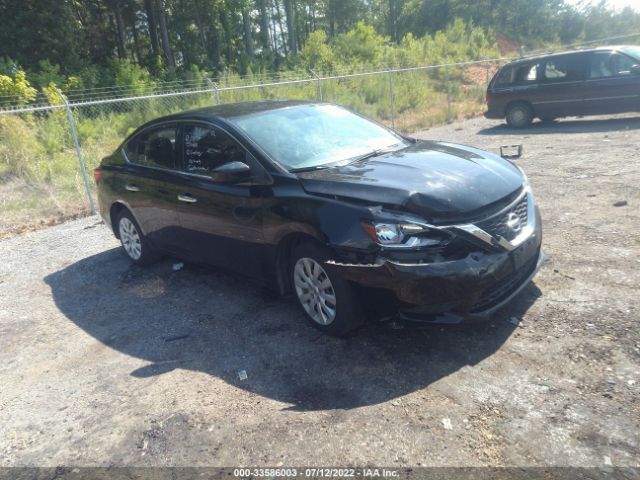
x=206 y=148
x=608 y=64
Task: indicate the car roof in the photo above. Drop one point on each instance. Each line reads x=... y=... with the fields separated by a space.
x=534 y=58
x=231 y=110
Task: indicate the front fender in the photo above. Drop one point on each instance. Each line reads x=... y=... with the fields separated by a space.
x=331 y=222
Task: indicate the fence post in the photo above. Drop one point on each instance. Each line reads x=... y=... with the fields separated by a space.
x=392 y=99
x=83 y=168
x=215 y=89
x=318 y=85
x=448 y=94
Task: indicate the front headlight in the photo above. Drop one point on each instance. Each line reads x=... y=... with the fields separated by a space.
x=408 y=235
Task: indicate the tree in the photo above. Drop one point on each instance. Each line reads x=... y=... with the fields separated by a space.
x=247 y=29
x=43 y=30
x=198 y=17
x=152 y=26
x=264 y=24
x=52 y=40
x=121 y=34
x=164 y=33
x=290 y=13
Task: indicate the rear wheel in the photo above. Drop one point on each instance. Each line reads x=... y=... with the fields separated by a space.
x=519 y=115
x=328 y=300
x=134 y=243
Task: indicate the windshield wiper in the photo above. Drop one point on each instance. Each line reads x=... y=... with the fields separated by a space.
x=308 y=169
x=376 y=152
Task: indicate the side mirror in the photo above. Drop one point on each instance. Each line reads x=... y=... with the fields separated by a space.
x=232 y=172
x=635 y=69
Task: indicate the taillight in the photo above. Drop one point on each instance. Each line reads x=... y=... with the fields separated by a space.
x=488 y=98
x=97 y=173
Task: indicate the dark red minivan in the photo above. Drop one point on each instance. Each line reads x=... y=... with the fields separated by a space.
x=584 y=82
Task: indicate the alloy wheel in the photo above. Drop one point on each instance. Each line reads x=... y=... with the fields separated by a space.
x=130 y=238
x=315 y=291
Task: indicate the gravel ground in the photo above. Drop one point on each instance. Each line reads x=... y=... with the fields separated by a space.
x=104 y=363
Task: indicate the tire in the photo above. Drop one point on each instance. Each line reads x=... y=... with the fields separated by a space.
x=134 y=244
x=519 y=115
x=328 y=300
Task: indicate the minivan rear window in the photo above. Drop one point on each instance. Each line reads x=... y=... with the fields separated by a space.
x=518 y=74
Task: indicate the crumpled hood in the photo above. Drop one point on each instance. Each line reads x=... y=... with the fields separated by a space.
x=433 y=179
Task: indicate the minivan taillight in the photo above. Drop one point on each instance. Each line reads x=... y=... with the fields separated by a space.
x=97 y=173
x=488 y=98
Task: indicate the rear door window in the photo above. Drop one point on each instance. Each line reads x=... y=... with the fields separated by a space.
x=154 y=148
x=567 y=68
x=610 y=64
x=520 y=74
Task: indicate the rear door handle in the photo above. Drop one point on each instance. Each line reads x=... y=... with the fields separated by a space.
x=186 y=197
x=132 y=187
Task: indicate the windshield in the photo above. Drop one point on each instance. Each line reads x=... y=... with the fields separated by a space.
x=314 y=136
x=633 y=51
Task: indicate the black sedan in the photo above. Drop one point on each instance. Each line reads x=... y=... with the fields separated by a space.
x=357 y=220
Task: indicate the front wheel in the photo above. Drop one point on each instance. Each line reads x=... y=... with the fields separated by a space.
x=134 y=243
x=327 y=299
x=519 y=115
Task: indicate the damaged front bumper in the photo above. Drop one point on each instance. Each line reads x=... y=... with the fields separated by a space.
x=467 y=289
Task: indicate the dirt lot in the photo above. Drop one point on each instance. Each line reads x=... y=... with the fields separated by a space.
x=104 y=363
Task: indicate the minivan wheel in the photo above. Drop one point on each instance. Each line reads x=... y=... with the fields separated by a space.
x=519 y=115
x=328 y=300
x=134 y=243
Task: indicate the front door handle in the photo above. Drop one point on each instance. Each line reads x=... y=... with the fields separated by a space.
x=187 y=198
x=132 y=187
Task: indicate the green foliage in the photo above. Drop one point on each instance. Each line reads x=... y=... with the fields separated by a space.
x=17 y=88
x=459 y=42
x=43 y=30
x=8 y=66
x=47 y=73
x=362 y=45
x=316 y=53
x=128 y=74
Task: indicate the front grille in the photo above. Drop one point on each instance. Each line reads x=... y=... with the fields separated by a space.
x=497 y=226
x=505 y=287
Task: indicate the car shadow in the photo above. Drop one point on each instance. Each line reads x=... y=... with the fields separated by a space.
x=568 y=126
x=204 y=320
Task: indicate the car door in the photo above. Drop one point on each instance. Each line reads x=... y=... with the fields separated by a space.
x=221 y=222
x=561 y=86
x=514 y=83
x=612 y=84
x=146 y=182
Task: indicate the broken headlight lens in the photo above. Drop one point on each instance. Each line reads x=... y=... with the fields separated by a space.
x=408 y=235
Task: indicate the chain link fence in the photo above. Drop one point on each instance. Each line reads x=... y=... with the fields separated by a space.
x=49 y=150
